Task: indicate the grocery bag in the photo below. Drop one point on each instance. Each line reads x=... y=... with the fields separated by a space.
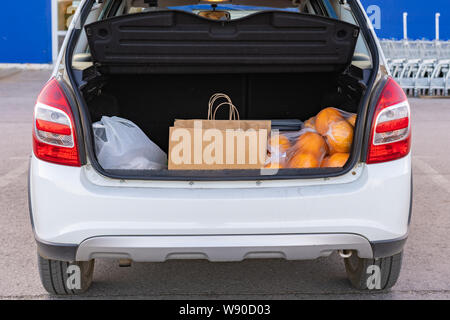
x=211 y=144
x=120 y=144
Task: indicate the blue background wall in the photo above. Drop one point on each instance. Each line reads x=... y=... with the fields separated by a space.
x=421 y=18
x=25 y=31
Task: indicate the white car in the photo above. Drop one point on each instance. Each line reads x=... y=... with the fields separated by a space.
x=155 y=61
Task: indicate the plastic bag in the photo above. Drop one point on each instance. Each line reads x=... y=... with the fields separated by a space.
x=120 y=144
x=337 y=127
x=324 y=141
x=296 y=149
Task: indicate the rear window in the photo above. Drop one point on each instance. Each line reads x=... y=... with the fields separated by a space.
x=227 y=10
x=224 y=12
x=238 y=9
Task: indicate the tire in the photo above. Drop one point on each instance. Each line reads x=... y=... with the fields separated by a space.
x=362 y=274
x=54 y=276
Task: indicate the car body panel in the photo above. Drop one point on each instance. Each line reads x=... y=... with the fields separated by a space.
x=69 y=208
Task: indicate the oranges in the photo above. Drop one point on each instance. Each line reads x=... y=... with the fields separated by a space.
x=352 y=120
x=325 y=142
x=340 y=137
x=304 y=160
x=309 y=150
x=325 y=117
x=337 y=160
x=279 y=142
x=333 y=137
x=310 y=123
x=311 y=142
x=274 y=165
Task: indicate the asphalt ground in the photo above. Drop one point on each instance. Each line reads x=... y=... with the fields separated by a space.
x=426 y=267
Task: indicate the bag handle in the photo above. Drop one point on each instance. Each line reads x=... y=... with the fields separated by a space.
x=233 y=113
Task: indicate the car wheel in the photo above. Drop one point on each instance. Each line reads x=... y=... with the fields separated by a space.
x=373 y=274
x=65 y=278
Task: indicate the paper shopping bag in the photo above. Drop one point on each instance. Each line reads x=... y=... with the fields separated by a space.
x=218 y=144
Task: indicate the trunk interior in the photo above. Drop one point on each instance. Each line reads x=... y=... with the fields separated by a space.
x=154 y=101
x=303 y=65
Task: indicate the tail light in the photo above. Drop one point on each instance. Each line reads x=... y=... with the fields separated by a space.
x=54 y=138
x=390 y=137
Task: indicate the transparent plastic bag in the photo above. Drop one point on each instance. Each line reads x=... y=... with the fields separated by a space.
x=120 y=144
x=322 y=120
x=297 y=149
x=337 y=127
x=324 y=141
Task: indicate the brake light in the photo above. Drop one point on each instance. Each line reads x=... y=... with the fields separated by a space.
x=54 y=138
x=390 y=137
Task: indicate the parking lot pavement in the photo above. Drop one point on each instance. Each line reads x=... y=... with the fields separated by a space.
x=426 y=268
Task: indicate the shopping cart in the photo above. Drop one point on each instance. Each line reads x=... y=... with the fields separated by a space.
x=423 y=78
x=421 y=67
x=407 y=78
x=439 y=79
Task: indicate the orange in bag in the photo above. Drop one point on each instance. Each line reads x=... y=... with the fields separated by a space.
x=340 y=137
x=325 y=117
x=310 y=123
x=304 y=160
x=274 y=165
x=281 y=140
x=337 y=160
x=352 y=120
x=312 y=142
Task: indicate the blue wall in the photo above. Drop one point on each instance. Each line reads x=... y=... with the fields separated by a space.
x=25 y=31
x=421 y=18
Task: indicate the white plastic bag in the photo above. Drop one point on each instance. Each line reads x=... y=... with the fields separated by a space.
x=120 y=144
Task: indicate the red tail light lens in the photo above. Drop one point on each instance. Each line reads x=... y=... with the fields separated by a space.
x=54 y=138
x=390 y=137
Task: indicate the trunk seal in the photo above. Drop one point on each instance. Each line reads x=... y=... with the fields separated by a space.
x=308 y=174
x=76 y=115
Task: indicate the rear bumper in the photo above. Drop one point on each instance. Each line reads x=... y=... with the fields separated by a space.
x=72 y=206
x=220 y=248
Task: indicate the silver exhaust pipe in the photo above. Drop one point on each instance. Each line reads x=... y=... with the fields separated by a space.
x=345 y=253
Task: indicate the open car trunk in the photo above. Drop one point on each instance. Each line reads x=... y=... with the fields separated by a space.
x=154 y=101
x=156 y=67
